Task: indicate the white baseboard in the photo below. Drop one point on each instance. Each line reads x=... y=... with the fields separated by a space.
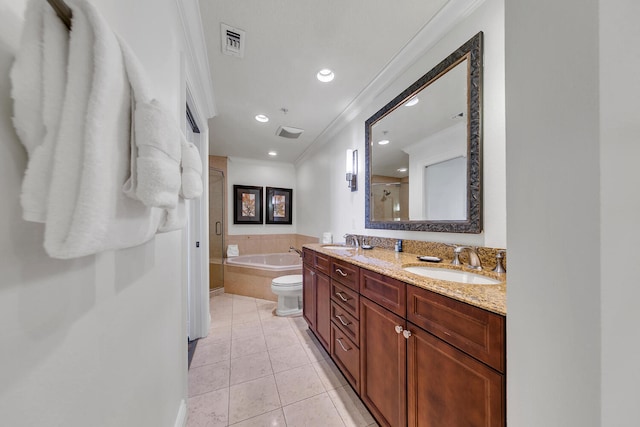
x=181 y=418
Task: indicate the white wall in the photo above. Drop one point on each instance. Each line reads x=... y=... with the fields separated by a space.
x=572 y=207
x=620 y=207
x=325 y=203
x=264 y=174
x=100 y=340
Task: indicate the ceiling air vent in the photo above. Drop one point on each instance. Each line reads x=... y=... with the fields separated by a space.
x=289 y=132
x=233 y=40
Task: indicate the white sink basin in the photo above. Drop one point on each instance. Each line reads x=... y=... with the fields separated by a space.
x=338 y=247
x=452 y=275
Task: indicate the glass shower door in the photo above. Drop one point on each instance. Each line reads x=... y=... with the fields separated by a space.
x=216 y=229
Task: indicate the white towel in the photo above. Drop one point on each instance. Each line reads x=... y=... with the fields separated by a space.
x=80 y=152
x=191 y=171
x=38 y=83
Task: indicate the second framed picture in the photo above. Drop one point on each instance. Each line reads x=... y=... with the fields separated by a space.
x=278 y=203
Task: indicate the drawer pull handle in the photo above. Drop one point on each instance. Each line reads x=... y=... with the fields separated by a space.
x=339 y=295
x=341 y=345
x=406 y=333
x=342 y=273
x=398 y=329
x=337 y=316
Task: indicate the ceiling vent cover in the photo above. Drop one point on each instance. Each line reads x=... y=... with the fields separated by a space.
x=233 y=40
x=289 y=132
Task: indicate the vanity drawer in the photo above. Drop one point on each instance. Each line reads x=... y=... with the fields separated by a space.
x=473 y=330
x=348 y=324
x=308 y=257
x=386 y=291
x=346 y=297
x=323 y=263
x=347 y=356
x=345 y=273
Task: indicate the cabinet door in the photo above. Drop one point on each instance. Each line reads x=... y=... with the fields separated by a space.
x=323 y=309
x=383 y=364
x=309 y=296
x=446 y=387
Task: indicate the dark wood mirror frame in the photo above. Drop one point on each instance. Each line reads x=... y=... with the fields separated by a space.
x=471 y=50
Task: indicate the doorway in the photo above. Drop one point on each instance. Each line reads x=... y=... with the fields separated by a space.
x=216 y=229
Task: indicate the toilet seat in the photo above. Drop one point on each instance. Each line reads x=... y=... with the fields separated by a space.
x=287 y=281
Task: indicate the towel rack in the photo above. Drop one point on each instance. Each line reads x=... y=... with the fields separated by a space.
x=62 y=10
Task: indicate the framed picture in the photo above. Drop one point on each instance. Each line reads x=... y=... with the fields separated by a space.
x=279 y=205
x=247 y=206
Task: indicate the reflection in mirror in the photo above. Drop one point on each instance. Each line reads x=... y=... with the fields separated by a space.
x=423 y=151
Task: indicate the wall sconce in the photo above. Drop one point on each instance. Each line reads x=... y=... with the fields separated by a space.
x=352 y=169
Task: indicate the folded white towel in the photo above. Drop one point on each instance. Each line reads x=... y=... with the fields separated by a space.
x=191 y=171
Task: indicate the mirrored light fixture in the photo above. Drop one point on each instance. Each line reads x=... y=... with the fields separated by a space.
x=352 y=169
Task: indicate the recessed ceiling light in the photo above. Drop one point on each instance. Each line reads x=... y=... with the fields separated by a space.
x=402 y=170
x=262 y=118
x=383 y=142
x=413 y=101
x=325 y=75
x=273 y=153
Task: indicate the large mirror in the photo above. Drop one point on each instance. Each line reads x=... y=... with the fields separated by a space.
x=423 y=151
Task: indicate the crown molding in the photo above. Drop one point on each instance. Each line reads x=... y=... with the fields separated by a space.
x=442 y=23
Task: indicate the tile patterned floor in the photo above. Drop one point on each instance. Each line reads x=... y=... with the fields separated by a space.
x=256 y=369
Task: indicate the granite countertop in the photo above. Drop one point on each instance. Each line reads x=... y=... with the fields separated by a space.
x=384 y=261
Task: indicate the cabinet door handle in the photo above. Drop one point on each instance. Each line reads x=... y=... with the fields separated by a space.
x=399 y=329
x=341 y=345
x=337 y=316
x=342 y=273
x=339 y=295
x=406 y=333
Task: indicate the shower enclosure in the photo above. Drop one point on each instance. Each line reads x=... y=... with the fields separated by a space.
x=216 y=228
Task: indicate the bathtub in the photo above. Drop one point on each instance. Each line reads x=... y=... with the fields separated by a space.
x=251 y=275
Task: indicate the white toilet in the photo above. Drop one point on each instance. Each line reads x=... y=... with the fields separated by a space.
x=289 y=291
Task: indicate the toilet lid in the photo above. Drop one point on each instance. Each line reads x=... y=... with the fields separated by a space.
x=292 y=279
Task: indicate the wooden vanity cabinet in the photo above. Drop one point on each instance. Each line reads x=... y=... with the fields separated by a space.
x=383 y=375
x=316 y=295
x=415 y=357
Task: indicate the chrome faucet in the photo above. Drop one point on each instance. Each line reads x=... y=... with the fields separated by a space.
x=474 y=260
x=351 y=240
x=292 y=249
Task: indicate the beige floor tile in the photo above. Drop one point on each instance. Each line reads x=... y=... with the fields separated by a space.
x=252 y=398
x=245 y=330
x=281 y=338
x=209 y=409
x=274 y=324
x=208 y=378
x=270 y=419
x=250 y=367
x=350 y=407
x=246 y=346
x=245 y=317
x=298 y=383
x=329 y=374
x=317 y=411
x=208 y=352
x=289 y=357
x=312 y=346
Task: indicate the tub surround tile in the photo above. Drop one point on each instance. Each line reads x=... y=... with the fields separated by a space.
x=388 y=262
